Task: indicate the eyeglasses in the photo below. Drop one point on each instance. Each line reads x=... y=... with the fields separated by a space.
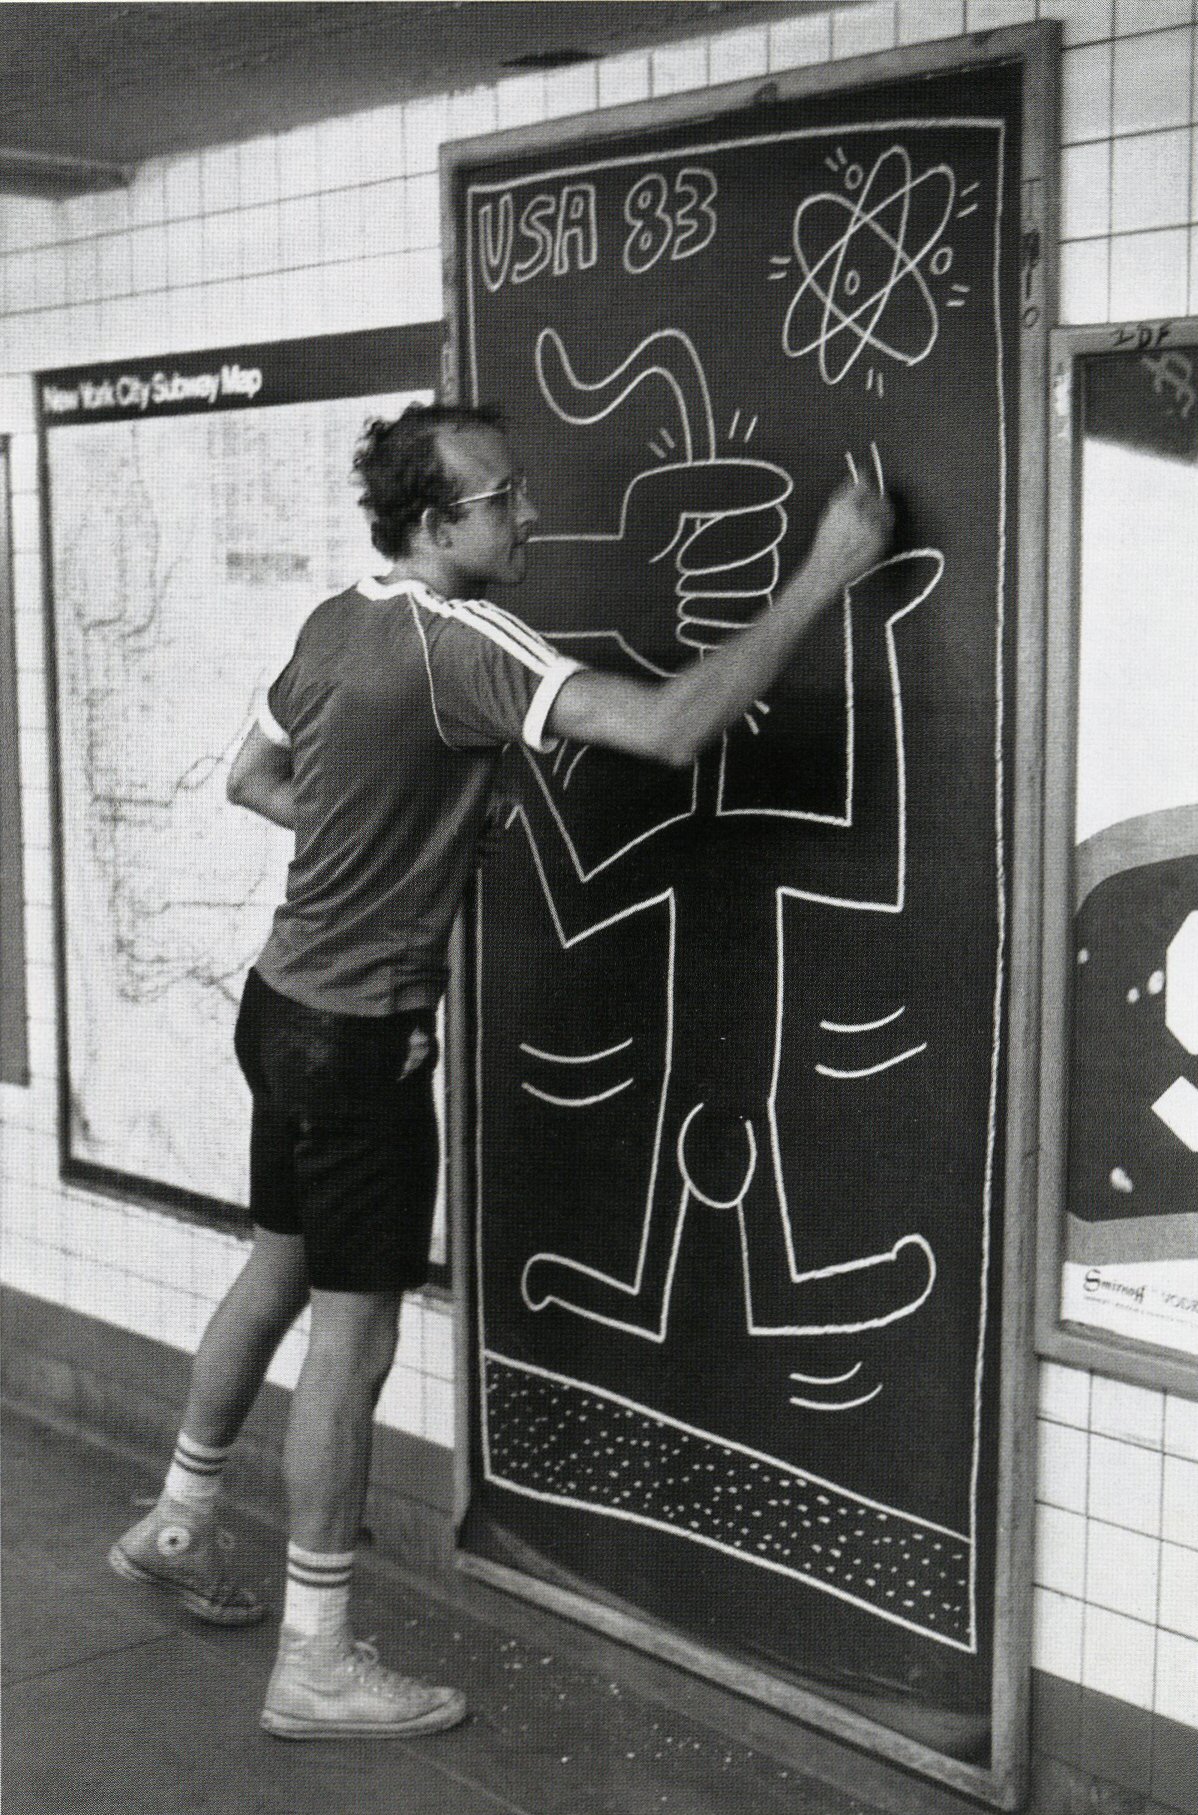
x=511 y=489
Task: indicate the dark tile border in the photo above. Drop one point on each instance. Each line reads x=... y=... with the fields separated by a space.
x=1096 y=1740
x=103 y=1382
x=1090 y=1751
x=1118 y=1741
x=1057 y=1719
x=1175 y=1765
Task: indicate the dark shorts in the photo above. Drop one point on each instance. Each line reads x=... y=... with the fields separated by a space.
x=343 y=1150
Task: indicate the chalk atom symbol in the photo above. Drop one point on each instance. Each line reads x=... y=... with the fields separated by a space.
x=863 y=285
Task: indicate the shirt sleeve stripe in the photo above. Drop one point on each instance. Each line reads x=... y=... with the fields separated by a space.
x=537 y=716
x=524 y=645
x=516 y=625
x=479 y=613
x=270 y=727
x=428 y=669
x=507 y=632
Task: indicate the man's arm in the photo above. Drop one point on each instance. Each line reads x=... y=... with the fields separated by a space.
x=671 y=721
x=260 y=779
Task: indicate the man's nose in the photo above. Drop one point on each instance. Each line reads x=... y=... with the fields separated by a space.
x=529 y=513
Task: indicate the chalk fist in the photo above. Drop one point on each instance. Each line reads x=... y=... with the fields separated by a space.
x=721 y=521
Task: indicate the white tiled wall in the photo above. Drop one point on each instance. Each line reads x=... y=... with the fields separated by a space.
x=336 y=227
x=1117 y=1541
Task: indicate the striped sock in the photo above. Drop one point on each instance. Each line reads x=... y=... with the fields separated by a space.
x=194 y=1476
x=316 y=1598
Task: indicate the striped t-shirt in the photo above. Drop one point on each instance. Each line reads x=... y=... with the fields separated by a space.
x=395 y=707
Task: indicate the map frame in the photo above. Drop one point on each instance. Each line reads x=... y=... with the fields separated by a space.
x=206 y=382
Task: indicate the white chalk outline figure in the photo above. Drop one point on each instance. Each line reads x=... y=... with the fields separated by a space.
x=580 y=912
x=826 y=281
x=782 y=1298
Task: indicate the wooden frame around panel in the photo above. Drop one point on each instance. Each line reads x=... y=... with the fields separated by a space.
x=1078 y=1345
x=1004 y=1782
x=14 y=1043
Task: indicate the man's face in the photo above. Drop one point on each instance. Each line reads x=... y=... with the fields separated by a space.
x=486 y=545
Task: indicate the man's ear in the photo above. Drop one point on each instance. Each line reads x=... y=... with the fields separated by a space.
x=435 y=525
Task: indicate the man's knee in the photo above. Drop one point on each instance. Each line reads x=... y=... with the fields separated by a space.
x=379 y=1349
x=357 y=1333
x=276 y=1277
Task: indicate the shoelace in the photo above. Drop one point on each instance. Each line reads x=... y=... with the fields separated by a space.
x=364 y=1663
x=364 y=1660
x=219 y=1539
x=221 y=1587
x=202 y=1569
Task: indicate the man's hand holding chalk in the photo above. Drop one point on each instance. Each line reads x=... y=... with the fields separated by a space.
x=852 y=535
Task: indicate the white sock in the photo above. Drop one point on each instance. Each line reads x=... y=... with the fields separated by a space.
x=316 y=1598
x=194 y=1476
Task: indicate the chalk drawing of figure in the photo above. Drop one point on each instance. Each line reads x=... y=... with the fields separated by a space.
x=713 y=525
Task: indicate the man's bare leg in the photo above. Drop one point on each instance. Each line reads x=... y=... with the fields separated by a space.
x=177 y=1547
x=245 y=1330
x=326 y=1460
x=324 y=1685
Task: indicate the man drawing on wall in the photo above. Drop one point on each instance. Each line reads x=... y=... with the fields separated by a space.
x=378 y=747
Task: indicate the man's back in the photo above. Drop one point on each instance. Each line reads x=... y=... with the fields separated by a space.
x=395 y=707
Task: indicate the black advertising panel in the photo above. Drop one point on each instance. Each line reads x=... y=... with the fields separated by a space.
x=741 y=1030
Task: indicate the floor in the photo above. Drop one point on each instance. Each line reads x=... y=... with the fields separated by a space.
x=117 y=1703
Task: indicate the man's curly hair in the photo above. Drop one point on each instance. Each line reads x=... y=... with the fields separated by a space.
x=399 y=469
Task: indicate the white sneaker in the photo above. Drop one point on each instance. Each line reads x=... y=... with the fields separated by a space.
x=335 y=1688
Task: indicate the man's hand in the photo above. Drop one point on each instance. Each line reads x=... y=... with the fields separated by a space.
x=730 y=504
x=851 y=537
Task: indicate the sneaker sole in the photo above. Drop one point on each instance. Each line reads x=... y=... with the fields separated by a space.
x=204 y=1610
x=294 y=1726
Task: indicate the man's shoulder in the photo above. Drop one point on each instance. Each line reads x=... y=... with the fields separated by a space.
x=332 y=613
x=483 y=625
x=350 y=598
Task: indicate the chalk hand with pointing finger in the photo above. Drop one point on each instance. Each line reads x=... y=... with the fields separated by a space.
x=708 y=526
x=718 y=521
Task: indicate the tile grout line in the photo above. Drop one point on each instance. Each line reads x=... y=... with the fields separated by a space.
x=1191 y=300
x=92 y=1657
x=1160 y=1539
x=240 y=207
x=1110 y=224
x=1081 y=1663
